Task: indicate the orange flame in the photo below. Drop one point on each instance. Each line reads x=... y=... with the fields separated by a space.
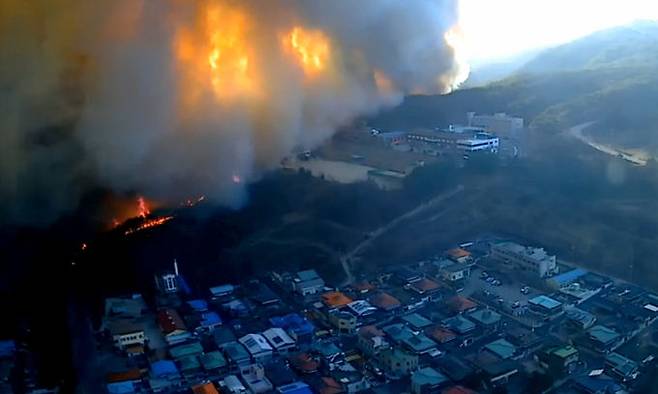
x=149 y=224
x=217 y=51
x=310 y=47
x=142 y=208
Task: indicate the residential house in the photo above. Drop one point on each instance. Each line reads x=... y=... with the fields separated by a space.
x=459 y=304
x=385 y=301
x=280 y=340
x=308 y=282
x=126 y=333
x=579 y=318
x=335 y=299
x=398 y=362
x=425 y=286
x=205 y=388
x=236 y=355
x=501 y=349
x=299 y=329
x=486 y=318
x=427 y=381
x=621 y=367
x=295 y=388
x=172 y=326
x=459 y=325
x=257 y=346
x=371 y=341
x=603 y=339
x=361 y=308
x=459 y=255
x=417 y=321
x=214 y=363
x=558 y=358
x=254 y=377
x=545 y=306
x=345 y=322
x=455 y=272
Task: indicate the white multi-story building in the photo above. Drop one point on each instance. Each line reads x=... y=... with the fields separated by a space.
x=127 y=333
x=526 y=257
x=481 y=142
x=499 y=123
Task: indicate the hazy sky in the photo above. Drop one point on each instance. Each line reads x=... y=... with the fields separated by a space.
x=500 y=28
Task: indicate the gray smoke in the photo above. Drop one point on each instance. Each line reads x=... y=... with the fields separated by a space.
x=126 y=94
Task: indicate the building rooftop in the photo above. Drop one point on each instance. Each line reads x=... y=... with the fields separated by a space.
x=565 y=351
x=163 y=368
x=461 y=304
x=501 y=348
x=620 y=364
x=458 y=390
x=578 y=315
x=459 y=324
x=198 y=305
x=235 y=351
x=363 y=286
x=185 y=350
x=458 y=253
x=221 y=290
x=205 y=388
x=425 y=286
x=419 y=343
x=370 y=332
x=124 y=326
x=361 y=307
x=335 y=299
x=255 y=343
x=222 y=335
x=485 y=317
x=278 y=337
x=545 y=302
x=170 y=321
x=441 y=334
x=293 y=323
x=569 y=276
x=307 y=275
x=189 y=363
x=125 y=306
x=428 y=376
x=295 y=388
x=417 y=321
x=385 y=301
x=209 y=319
x=212 y=360
x=602 y=334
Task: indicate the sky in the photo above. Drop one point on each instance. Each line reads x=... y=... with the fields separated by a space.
x=498 y=29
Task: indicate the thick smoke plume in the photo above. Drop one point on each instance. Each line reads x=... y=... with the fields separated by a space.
x=176 y=98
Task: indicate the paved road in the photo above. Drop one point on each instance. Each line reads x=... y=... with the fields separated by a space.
x=348 y=257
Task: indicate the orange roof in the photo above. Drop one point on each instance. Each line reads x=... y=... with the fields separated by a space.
x=425 y=285
x=206 y=388
x=123 y=376
x=458 y=253
x=384 y=301
x=335 y=298
x=461 y=304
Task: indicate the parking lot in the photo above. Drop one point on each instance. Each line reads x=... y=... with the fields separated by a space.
x=508 y=290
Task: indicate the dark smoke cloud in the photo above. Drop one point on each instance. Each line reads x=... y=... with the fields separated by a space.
x=109 y=94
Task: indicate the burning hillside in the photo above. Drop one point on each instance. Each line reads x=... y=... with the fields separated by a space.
x=176 y=98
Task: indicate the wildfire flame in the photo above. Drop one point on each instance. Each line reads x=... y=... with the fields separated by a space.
x=310 y=47
x=149 y=224
x=217 y=52
x=143 y=210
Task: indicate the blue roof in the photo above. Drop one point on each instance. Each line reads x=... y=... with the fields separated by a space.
x=7 y=348
x=210 y=319
x=501 y=348
x=295 y=388
x=121 y=388
x=294 y=323
x=569 y=276
x=544 y=301
x=599 y=384
x=198 y=305
x=163 y=368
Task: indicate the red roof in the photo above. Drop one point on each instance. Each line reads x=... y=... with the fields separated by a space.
x=458 y=390
x=442 y=335
x=335 y=299
x=123 y=376
x=458 y=253
x=207 y=388
x=331 y=386
x=425 y=285
x=305 y=363
x=370 y=332
x=385 y=301
x=461 y=304
x=170 y=321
